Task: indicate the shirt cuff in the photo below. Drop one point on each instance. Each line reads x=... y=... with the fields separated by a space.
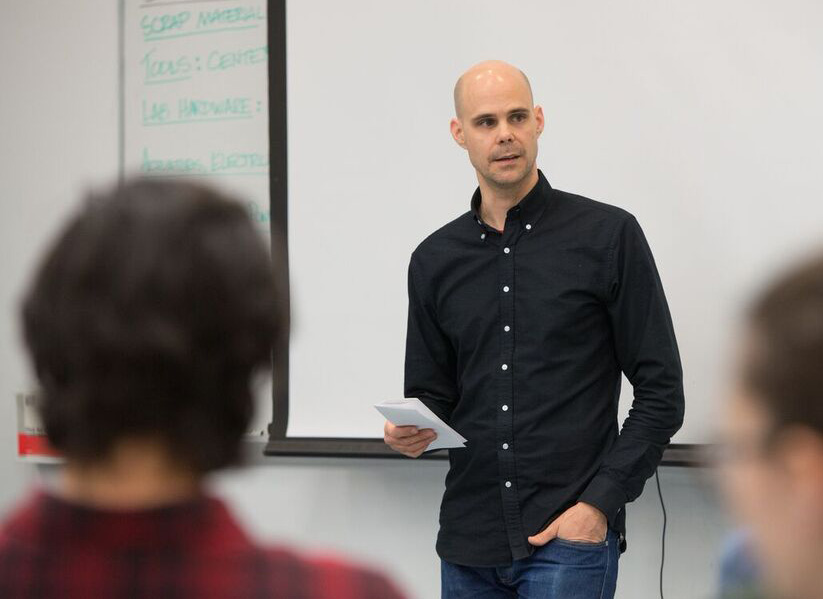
x=606 y=495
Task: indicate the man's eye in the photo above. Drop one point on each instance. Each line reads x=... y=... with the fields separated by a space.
x=519 y=117
x=485 y=122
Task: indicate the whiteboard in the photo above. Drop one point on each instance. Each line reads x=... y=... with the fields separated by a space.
x=701 y=118
x=195 y=103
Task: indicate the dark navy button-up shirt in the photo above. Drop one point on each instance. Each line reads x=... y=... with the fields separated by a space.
x=518 y=340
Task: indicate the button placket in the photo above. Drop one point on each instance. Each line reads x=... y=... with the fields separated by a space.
x=506 y=406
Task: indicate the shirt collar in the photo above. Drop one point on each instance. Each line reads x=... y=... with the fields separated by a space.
x=531 y=207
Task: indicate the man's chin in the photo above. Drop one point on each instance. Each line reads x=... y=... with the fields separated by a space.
x=507 y=178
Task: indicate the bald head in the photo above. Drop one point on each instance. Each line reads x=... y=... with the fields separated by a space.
x=486 y=75
x=498 y=125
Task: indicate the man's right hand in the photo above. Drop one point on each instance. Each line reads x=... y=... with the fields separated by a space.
x=408 y=440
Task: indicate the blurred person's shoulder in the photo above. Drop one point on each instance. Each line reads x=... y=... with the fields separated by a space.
x=21 y=526
x=328 y=576
x=286 y=572
x=210 y=553
x=739 y=573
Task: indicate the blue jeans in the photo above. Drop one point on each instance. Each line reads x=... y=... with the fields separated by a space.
x=558 y=570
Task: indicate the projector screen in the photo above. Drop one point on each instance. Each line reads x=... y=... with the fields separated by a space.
x=701 y=118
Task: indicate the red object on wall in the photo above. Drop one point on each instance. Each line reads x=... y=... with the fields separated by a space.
x=35 y=445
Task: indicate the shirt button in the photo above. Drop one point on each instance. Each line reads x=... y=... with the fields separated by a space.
x=505 y=408
x=508 y=484
x=505 y=367
x=507 y=328
x=506 y=289
x=528 y=227
x=506 y=250
x=505 y=445
x=482 y=236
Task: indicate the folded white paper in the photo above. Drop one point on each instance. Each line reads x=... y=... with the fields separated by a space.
x=413 y=412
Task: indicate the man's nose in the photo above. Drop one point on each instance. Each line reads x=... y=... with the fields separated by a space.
x=504 y=133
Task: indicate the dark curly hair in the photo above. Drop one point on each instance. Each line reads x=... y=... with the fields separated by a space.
x=148 y=319
x=785 y=363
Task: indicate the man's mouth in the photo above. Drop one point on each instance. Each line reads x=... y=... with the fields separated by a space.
x=507 y=158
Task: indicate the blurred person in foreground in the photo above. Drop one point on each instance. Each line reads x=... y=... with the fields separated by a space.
x=147 y=323
x=772 y=463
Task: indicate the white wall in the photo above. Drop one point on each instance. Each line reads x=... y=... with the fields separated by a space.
x=58 y=133
x=385 y=512
x=58 y=124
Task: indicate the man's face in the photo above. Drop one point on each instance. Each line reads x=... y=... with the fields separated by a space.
x=499 y=126
x=769 y=481
x=749 y=475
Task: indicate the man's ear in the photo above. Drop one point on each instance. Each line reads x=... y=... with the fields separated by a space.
x=538 y=116
x=457 y=133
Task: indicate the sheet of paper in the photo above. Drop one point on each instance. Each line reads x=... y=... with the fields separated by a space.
x=413 y=412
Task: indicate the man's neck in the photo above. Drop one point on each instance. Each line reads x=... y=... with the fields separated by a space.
x=136 y=476
x=497 y=201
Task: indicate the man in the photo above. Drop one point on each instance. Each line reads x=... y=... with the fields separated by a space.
x=773 y=432
x=522 y=314
x=147 y=323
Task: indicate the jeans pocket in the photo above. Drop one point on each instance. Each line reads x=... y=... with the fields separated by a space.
x=582 y=544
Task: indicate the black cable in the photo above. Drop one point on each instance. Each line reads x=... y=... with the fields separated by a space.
x=663 y=541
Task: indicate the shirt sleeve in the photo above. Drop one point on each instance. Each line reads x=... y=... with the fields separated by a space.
x=646 y=350
x=430 y=359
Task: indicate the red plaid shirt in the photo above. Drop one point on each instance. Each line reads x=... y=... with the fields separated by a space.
x=52 y=548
